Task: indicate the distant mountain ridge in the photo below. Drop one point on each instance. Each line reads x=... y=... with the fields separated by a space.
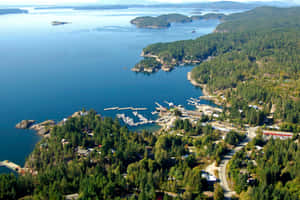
x=12 y=11
x=206 y=5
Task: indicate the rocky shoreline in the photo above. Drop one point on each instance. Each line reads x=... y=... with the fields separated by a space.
x=42 y=129
x=206 y=94
x=167 y=67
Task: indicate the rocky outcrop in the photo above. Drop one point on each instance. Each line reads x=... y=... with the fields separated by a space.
x=166 y=68
x=41 y=128
x=44 y=127
x=25 y=124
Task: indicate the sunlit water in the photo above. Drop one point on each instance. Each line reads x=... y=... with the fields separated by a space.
x=49 y=72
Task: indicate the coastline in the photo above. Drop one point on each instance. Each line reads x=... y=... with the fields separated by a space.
x=195 y=83
x=37 y=133
x=206 y=94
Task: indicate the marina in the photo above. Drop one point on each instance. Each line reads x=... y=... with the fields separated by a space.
x=166 y=113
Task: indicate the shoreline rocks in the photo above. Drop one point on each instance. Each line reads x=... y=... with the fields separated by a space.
x=25 y=124
x=42 y=128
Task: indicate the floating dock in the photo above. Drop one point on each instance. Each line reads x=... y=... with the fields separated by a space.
x=154 y=113
x=135 y=113
x=130 y=122
x=170 y=104
x=192 y=101
x=160 y=107
x=142 y=118
x=125 y=108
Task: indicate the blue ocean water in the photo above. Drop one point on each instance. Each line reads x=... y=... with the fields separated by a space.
x=49 y=72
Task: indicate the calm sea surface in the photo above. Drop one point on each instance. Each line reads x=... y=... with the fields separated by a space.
x=49 y=72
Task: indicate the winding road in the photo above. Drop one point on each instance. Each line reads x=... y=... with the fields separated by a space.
x=251 y=133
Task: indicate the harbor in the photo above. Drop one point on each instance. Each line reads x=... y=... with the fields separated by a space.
x=166 y=113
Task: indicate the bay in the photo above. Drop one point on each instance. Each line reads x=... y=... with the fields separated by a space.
x=49 y=72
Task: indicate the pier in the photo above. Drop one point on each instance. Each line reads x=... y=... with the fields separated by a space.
x=142 y=118
x=125 y=108
x=209 y=98
x=194 y=102
x=170 y=104
x=160 y=107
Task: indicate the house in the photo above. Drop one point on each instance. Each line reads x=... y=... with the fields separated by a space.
x=72 y=196
x=83 y=152
x=43 y=145
x=83 y=113
x=258 y=148
x=216 y=115
x=64 y=142
x=254 y=106
x=171 y=178
x=251 y=181
x=210 y=178
x=277 y=134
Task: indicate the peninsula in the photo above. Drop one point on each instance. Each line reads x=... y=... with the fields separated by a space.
x=232 y=60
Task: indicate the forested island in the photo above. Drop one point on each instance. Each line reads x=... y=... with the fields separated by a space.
x=164 y=21
x=12 y=11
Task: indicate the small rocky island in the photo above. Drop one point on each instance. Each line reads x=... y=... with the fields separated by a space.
x=57 y=23
x=164 y=21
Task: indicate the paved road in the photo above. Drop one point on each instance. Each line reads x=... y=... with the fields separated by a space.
x=251 y=133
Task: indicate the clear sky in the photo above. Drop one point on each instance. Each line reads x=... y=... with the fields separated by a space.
x=59 y=2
